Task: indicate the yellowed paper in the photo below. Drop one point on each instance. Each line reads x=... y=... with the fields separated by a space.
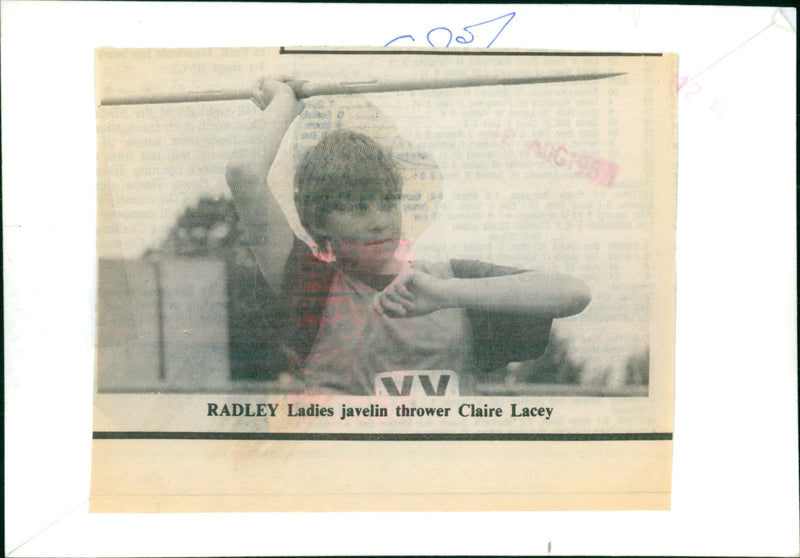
x=566 y=170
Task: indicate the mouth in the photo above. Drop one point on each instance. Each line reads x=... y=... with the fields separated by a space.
x=377 y=242
x=373 y=249
x=370 y=240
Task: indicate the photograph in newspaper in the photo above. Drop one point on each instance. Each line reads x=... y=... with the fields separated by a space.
x=413 y=251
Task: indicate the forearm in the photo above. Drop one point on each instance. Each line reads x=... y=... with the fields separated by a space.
x=530 y=293
x=258 y=145
x=263 y=222
x=267 y=234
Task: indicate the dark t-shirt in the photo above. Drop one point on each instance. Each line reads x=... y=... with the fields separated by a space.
x=497 y=337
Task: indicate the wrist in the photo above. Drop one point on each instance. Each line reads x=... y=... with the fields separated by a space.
x=286 y=103
x=448 y=293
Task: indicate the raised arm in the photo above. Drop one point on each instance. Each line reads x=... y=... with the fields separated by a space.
x=265 y=224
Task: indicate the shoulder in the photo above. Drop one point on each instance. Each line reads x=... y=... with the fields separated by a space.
x=501 y=337
x=307 y=280
x=303 y=267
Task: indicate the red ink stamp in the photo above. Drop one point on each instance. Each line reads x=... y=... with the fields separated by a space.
x=598 y=171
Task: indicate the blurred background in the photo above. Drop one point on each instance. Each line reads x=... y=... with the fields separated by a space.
x=501 y=173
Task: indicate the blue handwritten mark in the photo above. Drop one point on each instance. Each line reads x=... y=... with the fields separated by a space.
x=435 y=34
x=400 y=37
x=449 y=39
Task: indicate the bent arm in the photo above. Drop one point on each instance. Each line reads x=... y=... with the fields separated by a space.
x=530 y=293
x=525 y=293
x=265 y=224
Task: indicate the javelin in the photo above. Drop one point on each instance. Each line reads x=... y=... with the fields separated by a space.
x=305 y=89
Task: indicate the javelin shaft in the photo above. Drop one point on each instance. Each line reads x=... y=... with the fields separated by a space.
x=305 y=89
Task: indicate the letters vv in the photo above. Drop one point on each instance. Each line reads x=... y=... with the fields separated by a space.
x=424 y=380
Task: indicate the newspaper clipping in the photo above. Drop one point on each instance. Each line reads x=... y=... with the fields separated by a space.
x=394 y=279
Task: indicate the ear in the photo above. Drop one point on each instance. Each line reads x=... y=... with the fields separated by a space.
x=322 y=240
x=320 y=234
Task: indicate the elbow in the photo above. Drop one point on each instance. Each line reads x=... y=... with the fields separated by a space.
x=577 y=299
x=235 y=173
x=581 y=297
x=243 y=178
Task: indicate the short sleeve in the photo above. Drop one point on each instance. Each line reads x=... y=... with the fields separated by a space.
x=307 y=281
x=501 y=337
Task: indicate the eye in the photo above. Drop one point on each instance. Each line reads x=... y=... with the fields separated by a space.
x=388 y=203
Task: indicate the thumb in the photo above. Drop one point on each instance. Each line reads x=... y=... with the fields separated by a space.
x=260 y=97
x=267 y=88
x=406 y=275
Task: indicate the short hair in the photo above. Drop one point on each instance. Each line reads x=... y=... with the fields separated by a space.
x=341 y=169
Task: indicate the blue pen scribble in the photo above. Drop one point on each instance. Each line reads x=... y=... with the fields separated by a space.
x=449 y=40
x=400 y=37
x=462 y=40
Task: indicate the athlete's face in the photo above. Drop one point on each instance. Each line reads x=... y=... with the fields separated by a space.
x=365 y=232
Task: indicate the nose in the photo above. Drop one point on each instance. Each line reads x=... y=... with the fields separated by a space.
x=380 y=222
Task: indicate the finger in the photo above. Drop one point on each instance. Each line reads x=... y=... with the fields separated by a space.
x=392 y=307
x=265 y=81
x=259 y=97
x=266 y=88
x=259 y=101
x=258 y=86
x=403 y=291
x=403 y=278
x=376 y=304
x=397 y=299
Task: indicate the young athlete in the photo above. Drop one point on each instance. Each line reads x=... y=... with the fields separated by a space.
x=363 y=310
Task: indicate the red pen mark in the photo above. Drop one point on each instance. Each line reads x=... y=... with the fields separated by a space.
x=508 y=134
x=694 y=89
x=694 y=93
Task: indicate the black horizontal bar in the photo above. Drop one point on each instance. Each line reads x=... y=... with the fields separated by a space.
x=386 y=437
x=465 y=52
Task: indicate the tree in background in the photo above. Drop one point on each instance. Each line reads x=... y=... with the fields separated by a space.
x=557 y=365
x=637 y=368
x=208 y=229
